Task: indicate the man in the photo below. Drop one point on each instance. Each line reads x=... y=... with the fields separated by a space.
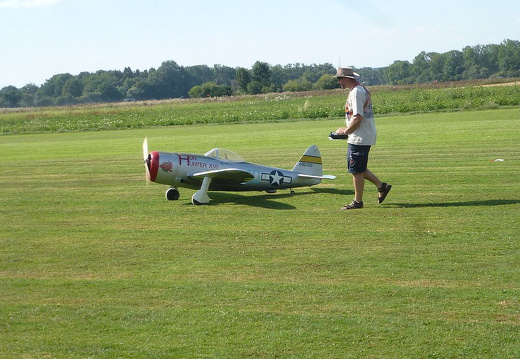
x=361 y=131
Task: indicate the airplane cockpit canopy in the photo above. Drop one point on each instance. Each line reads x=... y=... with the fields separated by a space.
x=223 y=154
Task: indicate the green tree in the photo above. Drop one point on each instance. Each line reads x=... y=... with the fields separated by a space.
x=437 y=66
x=297 y=85
x=326 y=82
x=223 y=75
x=109 y=92
x=279 y=76
x=141 y=90
x=254 y=88
x=103 y=85
x=294 y=71
x=127 y=73
x=312 y=73
x=398 y=73
x=509 y=58
x=73 y=87
x=53 y=87
x=488 y=58
x=199 y=74
x=243 y=78
x=169 y=81
x=370 y=76
x=210 y=89
x=28 y=93
x=10 y=96
x=471 y=67
x=453 y=66
x=420 y=68
x=261 y=73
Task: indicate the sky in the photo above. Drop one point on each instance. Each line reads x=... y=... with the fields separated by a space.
x=42 y=38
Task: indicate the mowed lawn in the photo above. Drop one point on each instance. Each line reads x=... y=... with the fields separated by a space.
x=95 y=263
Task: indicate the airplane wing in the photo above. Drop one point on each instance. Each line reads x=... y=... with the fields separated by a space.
x=319 y=177
x=234 y=175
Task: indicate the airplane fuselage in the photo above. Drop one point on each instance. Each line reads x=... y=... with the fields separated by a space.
x=188 y=170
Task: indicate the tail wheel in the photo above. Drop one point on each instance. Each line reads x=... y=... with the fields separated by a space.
x=172 y=194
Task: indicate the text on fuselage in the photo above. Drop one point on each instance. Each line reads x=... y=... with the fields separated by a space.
x=192 y=161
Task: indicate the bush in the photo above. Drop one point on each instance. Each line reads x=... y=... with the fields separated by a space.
x=326 y=82
x=297 y=85
x=209 y=89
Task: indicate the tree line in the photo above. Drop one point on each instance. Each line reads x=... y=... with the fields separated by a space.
x=171 y=80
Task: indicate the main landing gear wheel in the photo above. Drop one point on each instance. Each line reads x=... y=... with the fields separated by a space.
x=197 y=203
x=172 y=194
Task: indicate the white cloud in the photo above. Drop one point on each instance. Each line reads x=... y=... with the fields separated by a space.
x=15 y=4
x=427 y=31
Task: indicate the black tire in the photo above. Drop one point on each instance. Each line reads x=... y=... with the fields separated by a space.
x=172 y=194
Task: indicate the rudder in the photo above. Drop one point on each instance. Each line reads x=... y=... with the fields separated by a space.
x=310 y=163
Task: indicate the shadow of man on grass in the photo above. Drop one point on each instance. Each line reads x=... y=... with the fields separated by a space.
x=271 y=201
x=490 y=202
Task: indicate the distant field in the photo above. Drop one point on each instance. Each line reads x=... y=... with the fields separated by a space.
x=96 y=264
x=248 y=109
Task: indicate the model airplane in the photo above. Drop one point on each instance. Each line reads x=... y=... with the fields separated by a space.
x=224 y=170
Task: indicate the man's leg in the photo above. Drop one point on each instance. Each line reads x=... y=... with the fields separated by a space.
x=369 y=175
x=383 y=188
x=359 y=186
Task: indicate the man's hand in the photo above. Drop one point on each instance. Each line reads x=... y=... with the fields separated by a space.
x=341 y=131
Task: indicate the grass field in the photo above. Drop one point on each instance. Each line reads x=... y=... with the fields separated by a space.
x=96 y=264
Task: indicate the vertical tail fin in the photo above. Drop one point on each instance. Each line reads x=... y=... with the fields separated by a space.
x=310 y=163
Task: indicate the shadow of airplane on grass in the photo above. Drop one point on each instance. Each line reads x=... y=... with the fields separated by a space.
x=273 y=201
x=490 y=202
x=270 y=201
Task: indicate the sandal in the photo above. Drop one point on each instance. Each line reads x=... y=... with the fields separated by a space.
x=385 y=188
x=353 y=205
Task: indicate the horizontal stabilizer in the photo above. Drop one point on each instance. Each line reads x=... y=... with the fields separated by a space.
x=331 y=177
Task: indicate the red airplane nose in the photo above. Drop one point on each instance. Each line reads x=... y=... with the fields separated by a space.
x=153 y=165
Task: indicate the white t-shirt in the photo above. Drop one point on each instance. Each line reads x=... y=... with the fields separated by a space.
x=359 y=102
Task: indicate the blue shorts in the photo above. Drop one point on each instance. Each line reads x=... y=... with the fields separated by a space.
x=357 y=158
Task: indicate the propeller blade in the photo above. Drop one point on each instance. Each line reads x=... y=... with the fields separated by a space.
x=145 y=159
x=145 y=148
